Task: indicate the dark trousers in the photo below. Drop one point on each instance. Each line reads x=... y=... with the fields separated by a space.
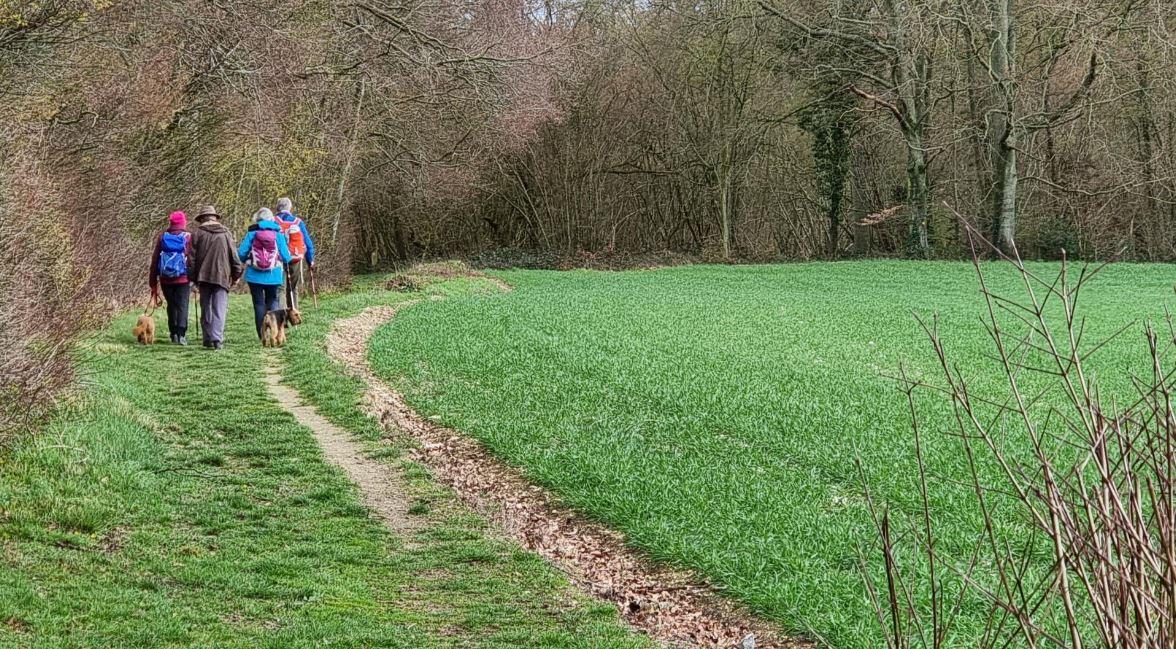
x=177 y=296
x=293 y=284
x=265 y=298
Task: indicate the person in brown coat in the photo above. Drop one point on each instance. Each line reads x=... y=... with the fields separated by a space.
x=215 y=268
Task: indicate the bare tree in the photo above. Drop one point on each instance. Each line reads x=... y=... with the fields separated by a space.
x=1020 y=105
x=712 y=70
x=898 y=41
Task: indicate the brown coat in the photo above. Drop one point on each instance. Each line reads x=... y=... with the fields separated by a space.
x=214 y=256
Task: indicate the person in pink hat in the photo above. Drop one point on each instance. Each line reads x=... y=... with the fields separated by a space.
x=169 y=272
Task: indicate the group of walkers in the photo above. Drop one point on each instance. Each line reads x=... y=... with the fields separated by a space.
x=206 y=259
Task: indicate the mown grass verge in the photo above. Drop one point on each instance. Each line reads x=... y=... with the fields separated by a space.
x=507 y=589
x=175 y=504
x=714 y=414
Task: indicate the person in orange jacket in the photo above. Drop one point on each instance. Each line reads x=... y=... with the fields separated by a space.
x=301 y=249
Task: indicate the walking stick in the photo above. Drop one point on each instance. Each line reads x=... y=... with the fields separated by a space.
x=313 y=289
x=287 y=287
x=196 y=301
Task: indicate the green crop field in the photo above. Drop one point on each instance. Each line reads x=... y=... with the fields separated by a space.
x=714 y=413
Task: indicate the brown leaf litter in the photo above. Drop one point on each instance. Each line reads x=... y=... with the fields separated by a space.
x=674 y=607
x=421 y=276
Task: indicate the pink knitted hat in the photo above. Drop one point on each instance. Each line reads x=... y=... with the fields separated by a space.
x=178 y=219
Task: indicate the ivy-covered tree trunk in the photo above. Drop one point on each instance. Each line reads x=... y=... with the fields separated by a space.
x=919 y=189
x=829 y=126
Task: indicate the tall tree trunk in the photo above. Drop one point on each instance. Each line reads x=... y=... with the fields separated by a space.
x=836 y=172
x=920 y=194
x=1145 y=128
x=979 y=153
x=834 y=227
x=352 y=145
x=1005 y=194
x=1001 y=129
x=726 y=198
x=1170 y=133
x=830 y=131
x=725 y=213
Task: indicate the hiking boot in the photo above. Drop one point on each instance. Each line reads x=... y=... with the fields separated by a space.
x=218 y=346
x=173 y=338
x=182 y=341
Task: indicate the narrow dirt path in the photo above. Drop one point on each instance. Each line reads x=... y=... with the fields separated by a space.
x=673 y=607
x=381 y=485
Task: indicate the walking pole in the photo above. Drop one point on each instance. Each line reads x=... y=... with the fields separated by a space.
x=287 y=293
x=313 y=289
x=196 y=302
x=301 y=282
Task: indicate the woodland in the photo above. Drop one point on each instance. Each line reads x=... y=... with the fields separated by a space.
x=552 y=132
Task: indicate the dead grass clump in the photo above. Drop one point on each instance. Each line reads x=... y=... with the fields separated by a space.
x=441 y=269
x=406 y=283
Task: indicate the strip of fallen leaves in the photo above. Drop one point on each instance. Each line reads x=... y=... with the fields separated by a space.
x=672 y=606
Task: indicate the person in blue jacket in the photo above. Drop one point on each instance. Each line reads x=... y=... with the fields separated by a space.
x=265 y=252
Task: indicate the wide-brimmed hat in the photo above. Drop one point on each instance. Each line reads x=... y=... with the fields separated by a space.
x=207 y=212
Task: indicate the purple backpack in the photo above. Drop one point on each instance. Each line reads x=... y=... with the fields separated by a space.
x=264 y=249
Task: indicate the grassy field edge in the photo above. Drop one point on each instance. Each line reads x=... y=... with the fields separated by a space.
x=175 y=503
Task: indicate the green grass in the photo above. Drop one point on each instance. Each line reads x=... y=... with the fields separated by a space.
x=175 y=504
x=714 y=413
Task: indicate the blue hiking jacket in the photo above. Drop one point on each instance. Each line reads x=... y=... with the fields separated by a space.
x=288 y=217
x=274 y=276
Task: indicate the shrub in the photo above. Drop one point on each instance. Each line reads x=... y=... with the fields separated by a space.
x=1093 y=561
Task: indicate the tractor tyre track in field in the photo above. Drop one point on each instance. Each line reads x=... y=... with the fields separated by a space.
x=673 y=607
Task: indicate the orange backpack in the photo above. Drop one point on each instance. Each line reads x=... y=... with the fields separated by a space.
x=293 y=232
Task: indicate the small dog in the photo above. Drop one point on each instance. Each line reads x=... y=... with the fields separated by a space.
x=273 y=328
x=144 y=329
x=294 y=316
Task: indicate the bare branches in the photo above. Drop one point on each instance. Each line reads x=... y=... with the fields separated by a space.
x=882 y=49
x=879 y=101
x=1093 y=480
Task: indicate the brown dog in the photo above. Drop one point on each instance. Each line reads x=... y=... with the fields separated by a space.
x=144 y=329
x=273 y=328
x=294 y=316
